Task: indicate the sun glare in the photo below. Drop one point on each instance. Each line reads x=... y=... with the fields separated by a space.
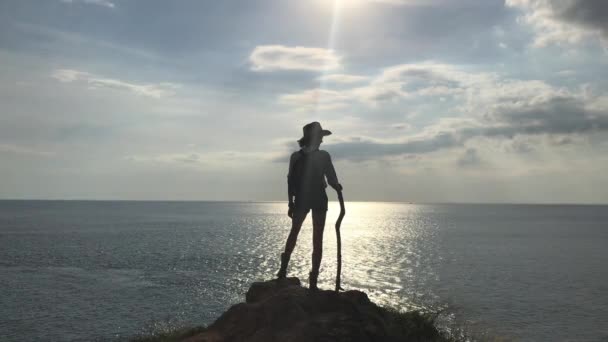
x=341 y=4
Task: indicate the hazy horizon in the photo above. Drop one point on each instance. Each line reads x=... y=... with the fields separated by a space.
x=471 y=101
x=336 y=203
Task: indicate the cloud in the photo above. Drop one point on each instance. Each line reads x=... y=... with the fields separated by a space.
x=520 y=146
x=343 y=78
x=103 y=3
x=487 y=106
x=555 y=116
x=405 y=81
x=412 y=2
x=401 y=126
x=566 y=73
x=564 y=21
x=179 y=158
x=216 y=159
x=474 y=91
x=93 y=81
x=280 y=57
x=24 y=150
x=316 y=99
x=359 y=149
x=587 y=13
x=420 y=79
x=469 y=158
x=60 y=38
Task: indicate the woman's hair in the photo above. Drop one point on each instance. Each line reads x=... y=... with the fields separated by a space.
x=310 y=140
x=304 y=141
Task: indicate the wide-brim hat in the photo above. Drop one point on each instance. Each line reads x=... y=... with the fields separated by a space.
x=314 y=129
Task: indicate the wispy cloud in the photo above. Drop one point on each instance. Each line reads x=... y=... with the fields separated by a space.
x=418 y=80
x=216 y=159
x=179 y=158
x=415 y=81
x=54 y=36
x=92 y=81
x=343 y=78
x=24 y=150
x=316 y=99
x=404 y=81
x=280 y=57
x=469 y=158
x=408 y=2
x=103 y=3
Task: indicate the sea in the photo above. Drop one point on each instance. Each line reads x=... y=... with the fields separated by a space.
x=114 y=270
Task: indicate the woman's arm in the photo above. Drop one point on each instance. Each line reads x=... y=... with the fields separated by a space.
x=290 y=184
x=330 y=173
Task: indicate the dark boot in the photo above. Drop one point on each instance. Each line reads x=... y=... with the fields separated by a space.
x=312 y=280
x=283 y=270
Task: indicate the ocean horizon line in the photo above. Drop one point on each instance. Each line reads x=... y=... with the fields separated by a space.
x=281 y=201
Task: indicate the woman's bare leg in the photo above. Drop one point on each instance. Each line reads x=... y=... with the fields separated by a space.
x=296 y=224
x=318 y=225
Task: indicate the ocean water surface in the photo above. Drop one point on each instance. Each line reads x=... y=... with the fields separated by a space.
x=104 y=271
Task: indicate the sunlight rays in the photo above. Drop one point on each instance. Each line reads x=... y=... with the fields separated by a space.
x=337 y=8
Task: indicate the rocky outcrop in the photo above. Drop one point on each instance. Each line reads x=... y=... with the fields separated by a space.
x=283 y=310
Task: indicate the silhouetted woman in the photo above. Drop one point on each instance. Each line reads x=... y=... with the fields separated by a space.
x=306 y=185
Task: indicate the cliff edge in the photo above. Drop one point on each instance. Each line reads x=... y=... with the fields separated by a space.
x=283 y=310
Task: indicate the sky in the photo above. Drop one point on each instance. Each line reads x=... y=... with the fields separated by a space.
x=501 y=101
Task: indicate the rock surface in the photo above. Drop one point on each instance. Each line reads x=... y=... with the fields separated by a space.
x=283 y=310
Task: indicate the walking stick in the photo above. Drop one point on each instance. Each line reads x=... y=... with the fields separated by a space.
x=339 y=240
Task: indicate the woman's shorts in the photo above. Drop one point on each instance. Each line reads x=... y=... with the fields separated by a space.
x=318 y=202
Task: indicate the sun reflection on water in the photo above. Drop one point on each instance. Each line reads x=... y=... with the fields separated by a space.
x=386 y=252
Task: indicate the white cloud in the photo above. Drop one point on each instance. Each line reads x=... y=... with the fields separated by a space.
x=156 y=90
x=343 y=78
x=280 y=57
x=103 y=3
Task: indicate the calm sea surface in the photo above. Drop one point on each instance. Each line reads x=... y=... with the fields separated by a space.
x=82 y=271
